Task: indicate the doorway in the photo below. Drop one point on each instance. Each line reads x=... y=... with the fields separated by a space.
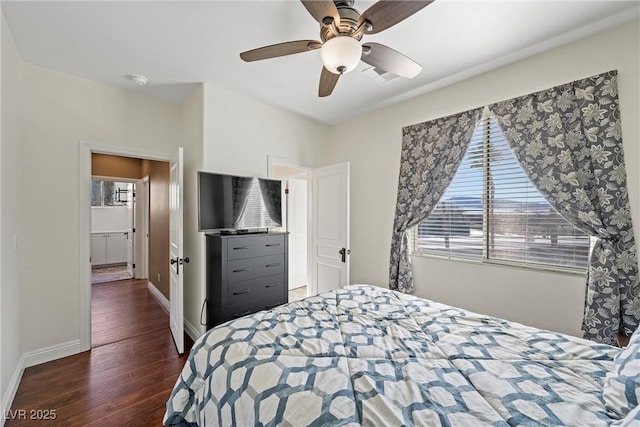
x=113 y=230
x=296 y=220
x=316 y=214
x=145 y=264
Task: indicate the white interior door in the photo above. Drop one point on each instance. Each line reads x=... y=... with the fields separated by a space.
x=131 y=228
x=330 y=245
x=176 y=317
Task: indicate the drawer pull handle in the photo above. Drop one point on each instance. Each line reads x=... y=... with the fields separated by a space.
x=272 y=265
x=272 y=244
x=235 y=316
x=246 y=291
x=242 y=269
x=270 y=306
x=241 y=247
x=272 y=285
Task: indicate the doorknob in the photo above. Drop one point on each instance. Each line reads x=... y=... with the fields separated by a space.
x=343 y=253
x=178 y=262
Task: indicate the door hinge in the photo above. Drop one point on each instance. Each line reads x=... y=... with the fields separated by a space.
x=286 y=191
x=133 y=230
x=133 y=266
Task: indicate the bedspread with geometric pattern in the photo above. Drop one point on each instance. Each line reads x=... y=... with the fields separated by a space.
x=365 y=355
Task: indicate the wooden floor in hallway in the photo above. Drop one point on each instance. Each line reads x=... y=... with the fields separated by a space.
x=125 y=380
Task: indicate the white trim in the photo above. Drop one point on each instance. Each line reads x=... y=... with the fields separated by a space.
x=193 y=332
x=12 y=389
x=47 y=354
x=162 y=300
x=143 y=208
x=114 y=178
x=84 y=248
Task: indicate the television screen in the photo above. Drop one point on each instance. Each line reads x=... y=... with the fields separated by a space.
x=229 y=202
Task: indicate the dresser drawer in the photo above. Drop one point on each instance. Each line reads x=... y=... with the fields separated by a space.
x=254 y=246
x=245 y=269
x=259 y=290
x=234 y=311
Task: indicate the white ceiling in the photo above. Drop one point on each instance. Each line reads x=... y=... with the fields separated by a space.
x=178 y=44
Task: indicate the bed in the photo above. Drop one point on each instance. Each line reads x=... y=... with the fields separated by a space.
x=364 y=355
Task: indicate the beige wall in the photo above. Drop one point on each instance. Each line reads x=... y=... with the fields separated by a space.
x=238 y=134
x=116 y=166
x=158 y=173
x=11 y=347
x=61 y=111
x=541 y=299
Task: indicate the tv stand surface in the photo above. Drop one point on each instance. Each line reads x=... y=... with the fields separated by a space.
x=244 y=231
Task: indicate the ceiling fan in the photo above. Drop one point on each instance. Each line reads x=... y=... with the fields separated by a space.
x=341 y=29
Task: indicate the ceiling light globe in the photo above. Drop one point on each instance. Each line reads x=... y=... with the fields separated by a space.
x=341 y=54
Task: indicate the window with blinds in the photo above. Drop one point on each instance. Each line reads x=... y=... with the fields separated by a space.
x=492 y=212
x=255 y=212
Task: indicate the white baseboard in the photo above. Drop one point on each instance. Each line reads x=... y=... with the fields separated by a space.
x=32 y=358
x=162 y=300
x=12 y=389
x=191 y=330
x=47 y=354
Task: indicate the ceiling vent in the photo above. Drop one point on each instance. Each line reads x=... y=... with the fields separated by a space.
x=380 y=76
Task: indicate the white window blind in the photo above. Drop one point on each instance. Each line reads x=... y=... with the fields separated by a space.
x=255 y=213
x=492 y=211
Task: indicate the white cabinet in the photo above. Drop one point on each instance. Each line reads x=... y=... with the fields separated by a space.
x=116 y=248
x=98 y=249
x=108 y=248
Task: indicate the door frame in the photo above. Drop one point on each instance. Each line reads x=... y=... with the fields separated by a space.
x=281 y=161
x=86 y=148
x=142 y=213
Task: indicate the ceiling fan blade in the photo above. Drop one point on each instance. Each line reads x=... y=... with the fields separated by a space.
x=387 y=59
x=387 y=13
x=280 y=49
x=321 y=9
x=328 y=81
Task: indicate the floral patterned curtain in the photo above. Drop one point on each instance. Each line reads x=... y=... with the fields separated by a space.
x=568 y=141
x=272 y=197
x=431 y=154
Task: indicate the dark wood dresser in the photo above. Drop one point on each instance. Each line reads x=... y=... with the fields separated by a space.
x=246 y=273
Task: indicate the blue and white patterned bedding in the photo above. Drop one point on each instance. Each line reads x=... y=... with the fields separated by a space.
x=364 y=355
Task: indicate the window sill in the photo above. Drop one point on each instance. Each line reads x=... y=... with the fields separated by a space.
x=505 y=264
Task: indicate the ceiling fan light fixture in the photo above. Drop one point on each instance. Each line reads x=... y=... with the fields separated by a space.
x=341 y=54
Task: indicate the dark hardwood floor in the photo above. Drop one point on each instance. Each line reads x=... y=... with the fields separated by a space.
x=125 y=380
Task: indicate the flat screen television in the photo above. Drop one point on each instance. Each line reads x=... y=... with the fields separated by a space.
x=231 y=203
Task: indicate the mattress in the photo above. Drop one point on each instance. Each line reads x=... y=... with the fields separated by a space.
x=365 y=355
